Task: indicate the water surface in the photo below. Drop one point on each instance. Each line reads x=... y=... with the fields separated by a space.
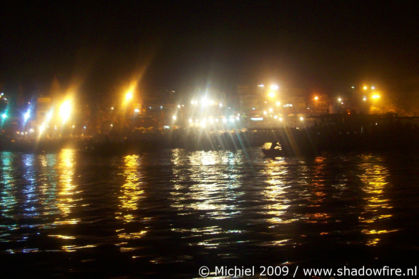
x=169 y=212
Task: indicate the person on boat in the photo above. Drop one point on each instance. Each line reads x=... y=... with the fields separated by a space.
x=274 y=145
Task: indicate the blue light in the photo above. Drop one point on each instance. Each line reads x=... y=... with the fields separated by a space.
x=27 y=115
x=4 y=115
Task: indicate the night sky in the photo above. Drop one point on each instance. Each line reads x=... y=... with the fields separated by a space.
x=318 y=45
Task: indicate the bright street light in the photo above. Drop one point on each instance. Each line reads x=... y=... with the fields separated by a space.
x=65 y=110
x=26 y=115
x=42 y=128
x=274 y=87
x=128 y=96
x=49 y=115
x=375 y=96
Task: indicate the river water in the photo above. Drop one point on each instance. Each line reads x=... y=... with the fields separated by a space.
x=71 y=214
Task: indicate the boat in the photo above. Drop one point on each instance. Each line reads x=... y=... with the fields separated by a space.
x=272 y=152
x=272 y=149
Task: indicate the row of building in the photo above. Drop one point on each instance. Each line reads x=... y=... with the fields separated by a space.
x=250 y=106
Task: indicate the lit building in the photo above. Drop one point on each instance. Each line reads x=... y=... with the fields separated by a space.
x=250 y=98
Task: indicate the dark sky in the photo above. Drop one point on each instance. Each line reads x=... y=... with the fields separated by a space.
x=314 y=45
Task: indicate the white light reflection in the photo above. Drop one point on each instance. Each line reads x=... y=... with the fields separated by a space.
x=213 y=194
x=29 y=190
x=7 y=194
x=47 y=182
x=275 y=201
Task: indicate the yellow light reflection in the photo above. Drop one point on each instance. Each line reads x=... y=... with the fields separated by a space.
x=132 y=235
x=75 y=248
x=59 y=236
x=130 y=195
x=377 y=209
x=67 y=194
x=318 y=194
x=274 y=193
x=131 y=191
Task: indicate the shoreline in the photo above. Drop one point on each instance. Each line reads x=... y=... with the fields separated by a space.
x=293 y=141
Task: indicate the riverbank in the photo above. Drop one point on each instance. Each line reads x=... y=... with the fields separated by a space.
x=337 y=134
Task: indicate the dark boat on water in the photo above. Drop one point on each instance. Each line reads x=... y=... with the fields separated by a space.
x=273 y=149
x=272 y=152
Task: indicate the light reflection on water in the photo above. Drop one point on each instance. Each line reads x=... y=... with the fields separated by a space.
x=29 y=191
x=206 y=185
x=186 y=206
x=131 y=191
x=68 y=196
x=47 y=183
x=274 y=193
x=378 y=206
x=131 y=194
x=8 y=199
x=317 y=193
